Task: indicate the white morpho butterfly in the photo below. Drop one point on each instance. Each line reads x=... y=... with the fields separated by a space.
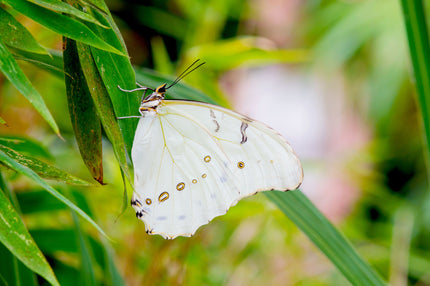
x=193 y=161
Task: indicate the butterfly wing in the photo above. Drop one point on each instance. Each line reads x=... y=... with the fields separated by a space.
x=194 y=160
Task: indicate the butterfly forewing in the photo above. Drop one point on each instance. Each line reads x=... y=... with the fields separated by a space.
x=194 y=160
x=260 y=158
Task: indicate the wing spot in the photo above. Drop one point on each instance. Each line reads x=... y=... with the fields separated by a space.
x=148 y=201
x=243 y=127
x=207 y=158
x=214 y=120
x=241 y=165
x=164 y=196
x=204 y=176
x=194 y=181
x=180 y=186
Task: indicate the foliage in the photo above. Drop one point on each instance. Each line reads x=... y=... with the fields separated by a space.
x=53 y=223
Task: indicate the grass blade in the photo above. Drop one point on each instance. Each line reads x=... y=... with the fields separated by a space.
x=296 y=206
x=419 y=47
x=14 y=235
x=86 y=274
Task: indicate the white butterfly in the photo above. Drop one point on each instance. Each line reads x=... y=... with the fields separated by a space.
x=193 y=161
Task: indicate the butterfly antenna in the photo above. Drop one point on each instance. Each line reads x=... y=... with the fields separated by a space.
x=186 y=72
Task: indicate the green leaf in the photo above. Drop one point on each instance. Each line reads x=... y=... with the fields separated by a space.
x=16 y=76
x=43 y=169
x=26 y=146
x=161 y=59
x=61 y=24
x=117 y=71
x=9 y=162
x=63 y=7
x=13 y=271
x=53 y=62
x=13 y=34
x=418 y=39
x=14 y=235
x=103 y=105
x=86 y=273
x=227 y=54
x=83 y=113
x=296 y=206
x=113 y=276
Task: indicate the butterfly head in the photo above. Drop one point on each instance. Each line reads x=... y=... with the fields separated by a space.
x=150 y=103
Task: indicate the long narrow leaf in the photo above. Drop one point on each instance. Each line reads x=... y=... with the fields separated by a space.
x=324 y=235
x=16 y=76
x=14 y=235
x=83 y=113
x=43 y=169
x=63 y=7
x=61 y=24
x=53 y=62
x=33 y=176
x=419 y=47
x=103 y=105
x=87 y=274
x=26 y=146
x=117 y=71
x=16 y=35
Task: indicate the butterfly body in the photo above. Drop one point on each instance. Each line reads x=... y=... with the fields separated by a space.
x=193 y=161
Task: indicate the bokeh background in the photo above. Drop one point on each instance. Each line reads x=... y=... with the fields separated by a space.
x=333 y=77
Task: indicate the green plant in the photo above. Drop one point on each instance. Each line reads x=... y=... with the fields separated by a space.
x=94 y=63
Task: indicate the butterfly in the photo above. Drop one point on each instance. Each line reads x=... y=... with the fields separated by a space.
x=193 y=161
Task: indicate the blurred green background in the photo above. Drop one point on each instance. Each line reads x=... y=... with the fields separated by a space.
x=334 y=77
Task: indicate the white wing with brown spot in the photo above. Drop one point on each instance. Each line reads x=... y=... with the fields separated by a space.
x=193 y=161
